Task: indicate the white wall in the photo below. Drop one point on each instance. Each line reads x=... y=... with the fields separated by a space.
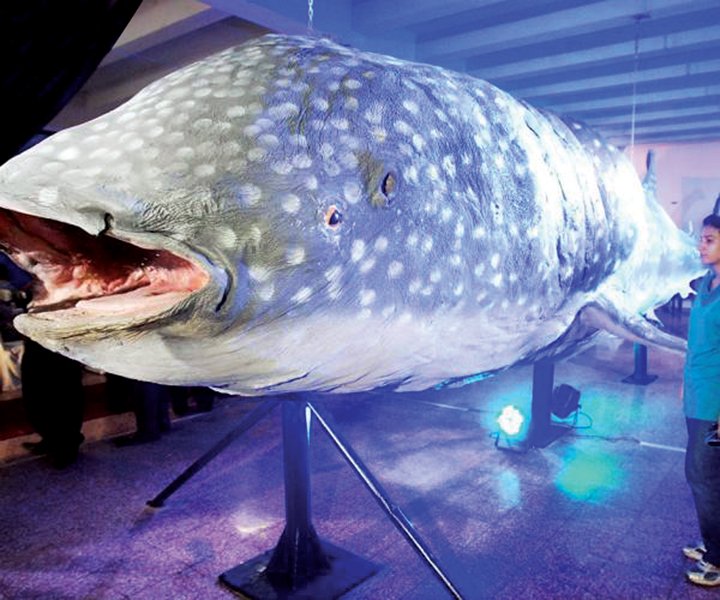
x=688 y=178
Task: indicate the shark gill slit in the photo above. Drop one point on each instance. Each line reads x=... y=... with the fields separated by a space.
x=226 y=291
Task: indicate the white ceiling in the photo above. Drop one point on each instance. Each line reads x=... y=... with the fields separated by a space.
x=576 y=57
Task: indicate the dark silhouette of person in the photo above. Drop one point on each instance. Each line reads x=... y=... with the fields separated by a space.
x=52 y=390
x=150 y=403
x=194 y=399
x=53 y=397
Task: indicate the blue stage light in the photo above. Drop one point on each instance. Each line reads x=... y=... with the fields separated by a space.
x=510 y=420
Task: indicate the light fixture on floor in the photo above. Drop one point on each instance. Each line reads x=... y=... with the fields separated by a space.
x=511 y=433
x=510 y=420
x=547 y=422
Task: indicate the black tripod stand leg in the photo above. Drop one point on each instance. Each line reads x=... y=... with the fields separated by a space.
x=396 y=515
x=248 y=421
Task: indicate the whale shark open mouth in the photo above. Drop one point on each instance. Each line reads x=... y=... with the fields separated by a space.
x=78 y=275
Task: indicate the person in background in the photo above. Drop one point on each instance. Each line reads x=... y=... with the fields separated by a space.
x=701 y=405
x=52 y=393
x=150 y=402
x=52 y=390
x=188 y=400
x=11 y=303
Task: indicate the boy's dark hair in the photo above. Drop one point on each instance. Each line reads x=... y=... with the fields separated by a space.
x=712 y=221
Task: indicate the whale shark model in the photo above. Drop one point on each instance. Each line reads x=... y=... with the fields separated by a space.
x=293 y=215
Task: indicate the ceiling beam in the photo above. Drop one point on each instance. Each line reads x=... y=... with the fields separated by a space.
x=276 y=15
x=701 y=101
x=649 y=47
x=626 y=100
x=159 y=21
x=645 y=77
x=379 y=16
x=698 y=113
x=691 y=135
x=669 y=128
x=579 y=20
x=332 y=19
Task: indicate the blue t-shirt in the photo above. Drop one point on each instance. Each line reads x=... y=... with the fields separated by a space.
x=701 y=397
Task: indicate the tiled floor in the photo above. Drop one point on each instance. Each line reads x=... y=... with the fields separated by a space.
x=601 y=513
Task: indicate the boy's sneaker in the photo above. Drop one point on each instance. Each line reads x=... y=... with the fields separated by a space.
x=705 y=574
x=695 y=552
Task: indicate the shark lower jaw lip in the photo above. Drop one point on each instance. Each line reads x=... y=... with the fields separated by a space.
x=81 y=279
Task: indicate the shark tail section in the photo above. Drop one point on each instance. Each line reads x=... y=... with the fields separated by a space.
x=668 y=260
x=649 y=182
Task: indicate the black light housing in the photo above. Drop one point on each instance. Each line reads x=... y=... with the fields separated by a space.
x=565 y=401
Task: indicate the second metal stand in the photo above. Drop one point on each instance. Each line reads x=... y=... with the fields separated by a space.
x=542 y=429
x=640 y=375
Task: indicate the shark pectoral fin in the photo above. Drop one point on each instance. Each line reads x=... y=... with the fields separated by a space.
x=632 y=327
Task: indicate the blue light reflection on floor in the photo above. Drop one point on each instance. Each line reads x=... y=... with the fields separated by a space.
x=591 y=477
x=508 y=489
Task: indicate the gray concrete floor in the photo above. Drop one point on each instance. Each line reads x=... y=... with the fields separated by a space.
x=600 y=513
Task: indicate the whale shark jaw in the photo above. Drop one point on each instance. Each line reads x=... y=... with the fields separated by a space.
x=83 y=282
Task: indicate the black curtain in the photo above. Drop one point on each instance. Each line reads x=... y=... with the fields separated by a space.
x=48 y=49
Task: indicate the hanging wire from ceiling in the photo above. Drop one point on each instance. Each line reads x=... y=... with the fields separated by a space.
x=638 y=18
x=311 y=14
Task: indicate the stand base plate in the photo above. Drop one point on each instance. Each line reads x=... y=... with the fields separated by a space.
x=347 y=570
x=546 y=436
x=640 y=379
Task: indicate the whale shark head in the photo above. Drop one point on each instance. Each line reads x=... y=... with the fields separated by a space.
x=237 y=196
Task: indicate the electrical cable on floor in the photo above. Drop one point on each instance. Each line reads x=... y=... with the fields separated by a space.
x=573 y=425
x=607 y=438
x=453 y=407
x=589 y=418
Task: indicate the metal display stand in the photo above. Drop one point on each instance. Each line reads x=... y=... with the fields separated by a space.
x=302 y=565
x=640 y=375
x=542 y=429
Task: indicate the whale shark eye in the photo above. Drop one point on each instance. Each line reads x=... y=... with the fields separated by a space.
x=333 y=217
x=388 y=185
